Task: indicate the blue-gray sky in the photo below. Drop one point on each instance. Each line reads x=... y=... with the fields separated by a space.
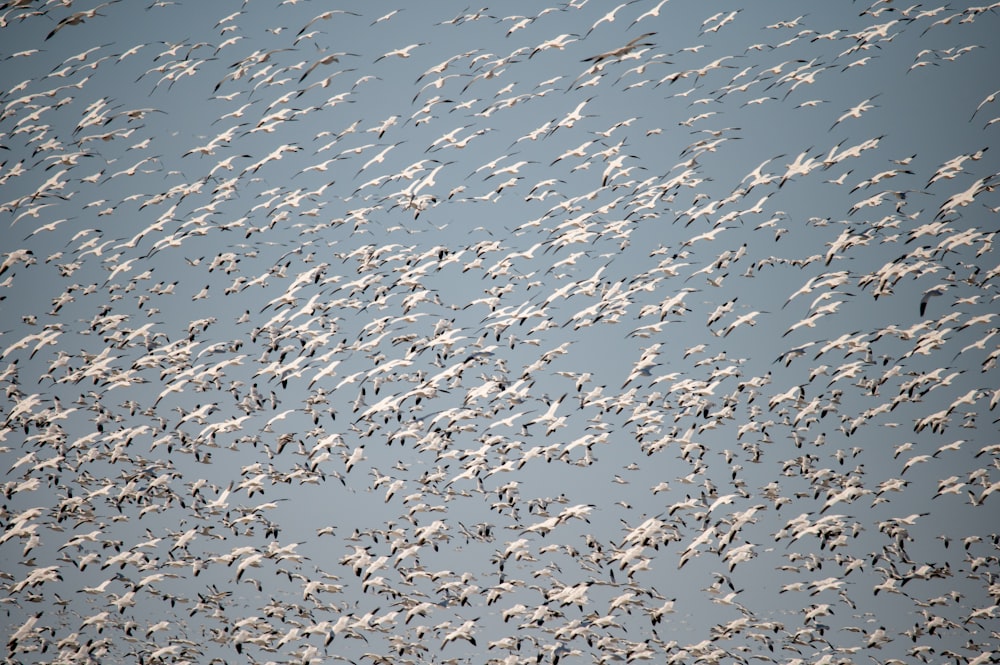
x=652 y=331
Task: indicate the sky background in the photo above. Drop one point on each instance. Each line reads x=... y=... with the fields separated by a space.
x=328 y=330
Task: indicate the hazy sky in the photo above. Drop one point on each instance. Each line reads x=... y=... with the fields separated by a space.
x=354 y=332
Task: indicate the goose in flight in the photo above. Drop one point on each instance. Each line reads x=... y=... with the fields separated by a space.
x=932 y=292
x=404 y=52
x=324 y=17
x=622 y=51
x=79 y=17
x=559 y=42
x=607 y=18
x=857 y=110
x=654 y=13
x=325 y=60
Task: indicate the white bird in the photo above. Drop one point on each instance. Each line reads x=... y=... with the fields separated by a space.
x=559 y=42
x=857 y=110
x=607 y=18
x=654 y=13
x=404 y=52
x=938 y=290
x=462 y=632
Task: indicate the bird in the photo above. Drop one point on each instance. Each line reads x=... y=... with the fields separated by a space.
x=325 y=16
x=559 y=42
x=938 y=290
x=403 y=52
x=327 y=59
x=607 y=18
x=79 y=17
x=651 y=13
x=857 y=110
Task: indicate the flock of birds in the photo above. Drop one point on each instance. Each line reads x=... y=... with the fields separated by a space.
x=526 y=334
